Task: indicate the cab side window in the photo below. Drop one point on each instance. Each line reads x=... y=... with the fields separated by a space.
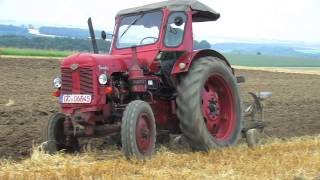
x=175 y=29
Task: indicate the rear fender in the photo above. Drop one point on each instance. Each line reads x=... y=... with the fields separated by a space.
x=188 y=58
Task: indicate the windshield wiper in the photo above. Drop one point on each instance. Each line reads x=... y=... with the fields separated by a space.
x=132 y=23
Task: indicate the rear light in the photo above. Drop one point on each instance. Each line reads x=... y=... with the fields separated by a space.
x=57 y=93
x=108 y=90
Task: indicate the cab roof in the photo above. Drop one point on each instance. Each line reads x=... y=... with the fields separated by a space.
x=201 y=12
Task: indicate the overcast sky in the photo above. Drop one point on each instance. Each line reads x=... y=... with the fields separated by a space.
x=294 y=20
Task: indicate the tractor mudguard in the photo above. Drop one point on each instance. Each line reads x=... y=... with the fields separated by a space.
x=188 y=58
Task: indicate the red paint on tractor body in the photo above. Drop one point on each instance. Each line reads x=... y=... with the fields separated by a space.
x=189 y=57
x=96 y=64
x=80 y=75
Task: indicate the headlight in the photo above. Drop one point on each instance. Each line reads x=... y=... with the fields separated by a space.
x=57 y=83
x=103 y=79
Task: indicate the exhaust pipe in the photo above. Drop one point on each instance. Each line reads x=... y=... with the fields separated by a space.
x=93 y=37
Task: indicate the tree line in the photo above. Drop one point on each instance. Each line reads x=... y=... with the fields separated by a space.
x=57 y=43
x=61 y=43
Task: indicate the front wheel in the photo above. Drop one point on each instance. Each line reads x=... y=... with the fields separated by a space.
x=138 y=130
x=209 y=106
x=54 y=138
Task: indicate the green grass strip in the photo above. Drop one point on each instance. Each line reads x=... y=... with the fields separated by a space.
x=34 y=52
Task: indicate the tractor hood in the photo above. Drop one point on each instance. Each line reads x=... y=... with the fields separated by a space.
x=110 y=63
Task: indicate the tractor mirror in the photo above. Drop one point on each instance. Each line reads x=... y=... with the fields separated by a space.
x=103 y=35
x=178 y=21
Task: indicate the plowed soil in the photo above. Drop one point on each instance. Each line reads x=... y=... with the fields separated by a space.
x=26 y=101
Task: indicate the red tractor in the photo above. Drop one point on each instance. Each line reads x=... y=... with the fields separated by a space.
x=151 y=82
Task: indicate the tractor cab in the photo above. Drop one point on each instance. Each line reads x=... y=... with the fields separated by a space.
x=159 y=31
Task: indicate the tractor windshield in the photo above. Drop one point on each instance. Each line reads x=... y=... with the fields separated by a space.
x=139 y=29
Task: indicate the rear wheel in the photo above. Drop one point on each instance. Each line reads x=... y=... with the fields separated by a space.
x=209 y=106
x=138 y=130
x=54 y=138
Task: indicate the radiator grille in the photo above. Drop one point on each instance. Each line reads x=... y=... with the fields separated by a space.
x=66 y=77
x=86 y=81
x=85 y=76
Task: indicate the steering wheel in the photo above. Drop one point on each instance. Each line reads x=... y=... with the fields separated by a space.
x=150 y=37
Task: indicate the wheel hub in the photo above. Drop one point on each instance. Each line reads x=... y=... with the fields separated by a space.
x=213 y=107
x=145 y=133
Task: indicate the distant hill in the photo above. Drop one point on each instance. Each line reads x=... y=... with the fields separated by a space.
x=67 y=32
x=13 y=30
x=47 y=31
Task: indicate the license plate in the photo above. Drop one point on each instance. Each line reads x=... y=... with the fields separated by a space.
x=76 y=99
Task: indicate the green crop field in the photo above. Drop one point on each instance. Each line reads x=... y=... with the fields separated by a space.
x=271 y=61
x=311 y=51
x=34 y=52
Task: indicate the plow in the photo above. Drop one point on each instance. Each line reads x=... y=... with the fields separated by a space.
x=253 y=131
x=153 y=83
